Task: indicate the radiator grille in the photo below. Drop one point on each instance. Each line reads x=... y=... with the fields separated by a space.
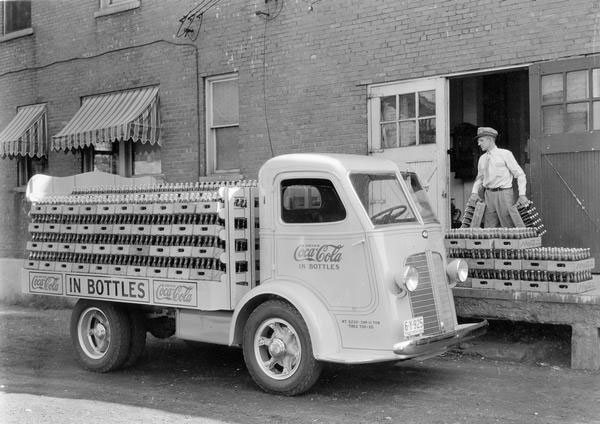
x=422 y=300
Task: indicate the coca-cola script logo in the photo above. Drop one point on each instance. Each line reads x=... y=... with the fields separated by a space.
x=177 y=294
x=45 y=283
x=328 y=253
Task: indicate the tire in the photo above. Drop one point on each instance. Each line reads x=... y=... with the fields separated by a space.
x=101 y=335
x=278 y=351
x=138 y=337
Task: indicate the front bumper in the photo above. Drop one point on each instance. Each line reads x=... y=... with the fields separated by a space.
x=434 y=345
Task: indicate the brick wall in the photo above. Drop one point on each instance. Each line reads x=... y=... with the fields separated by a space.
x=310 y=69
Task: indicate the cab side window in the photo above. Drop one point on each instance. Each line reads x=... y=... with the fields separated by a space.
x=309 y=201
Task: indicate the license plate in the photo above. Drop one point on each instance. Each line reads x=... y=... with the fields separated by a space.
x=413 y=327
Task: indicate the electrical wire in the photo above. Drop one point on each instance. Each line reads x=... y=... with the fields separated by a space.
x=196 y=14
x=265 y=88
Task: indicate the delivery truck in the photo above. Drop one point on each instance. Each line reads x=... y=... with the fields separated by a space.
x=326 y=258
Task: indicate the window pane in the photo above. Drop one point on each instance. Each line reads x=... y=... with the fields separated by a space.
x=407 y=105
x=408 y=133
x=17 y=15
x=310 y=200
x=577 y=117
x=225 y=103
x=552 y=88
x=552 y=119
x=596 y=82
x=228 y=155
x=388 y=108
x=146 y=159
x=577 y=85
x=427 y=131
x=427 y=103
x=597 y=115
x=388 y=136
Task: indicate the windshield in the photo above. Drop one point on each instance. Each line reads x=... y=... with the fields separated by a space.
x=386 y=203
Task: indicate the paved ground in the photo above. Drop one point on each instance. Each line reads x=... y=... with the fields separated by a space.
x=174 y=383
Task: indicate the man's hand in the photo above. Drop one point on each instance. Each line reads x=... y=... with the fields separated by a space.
x=522 y=201
x=475 y=198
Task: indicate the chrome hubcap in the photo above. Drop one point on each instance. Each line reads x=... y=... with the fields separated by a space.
x=277 y=348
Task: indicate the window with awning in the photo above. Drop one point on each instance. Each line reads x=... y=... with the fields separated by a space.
x=131 y=115
x=26 y=134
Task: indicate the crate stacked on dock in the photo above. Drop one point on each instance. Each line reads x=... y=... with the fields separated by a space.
x=513 y=259
x=173 y=231
x=473 y=214
x=529 y=217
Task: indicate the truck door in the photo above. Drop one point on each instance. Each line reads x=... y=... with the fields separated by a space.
x=319 y=241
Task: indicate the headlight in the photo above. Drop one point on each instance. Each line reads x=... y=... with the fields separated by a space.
x=458 y=271
x=408 y=279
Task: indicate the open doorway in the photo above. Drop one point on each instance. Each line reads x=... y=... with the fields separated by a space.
x=496 y=99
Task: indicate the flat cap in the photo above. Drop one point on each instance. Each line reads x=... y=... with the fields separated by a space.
x=483 y=131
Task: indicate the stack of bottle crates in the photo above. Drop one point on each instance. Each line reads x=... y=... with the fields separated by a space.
x=513 y=259
x=186 y=231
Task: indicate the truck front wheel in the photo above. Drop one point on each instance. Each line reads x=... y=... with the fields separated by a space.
x=101 y=335
x=278 y=350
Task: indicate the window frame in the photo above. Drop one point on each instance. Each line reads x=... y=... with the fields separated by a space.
x=5 y=36
x=211 y=141
x=110 y=7
x=288 y=182
x=25 y=168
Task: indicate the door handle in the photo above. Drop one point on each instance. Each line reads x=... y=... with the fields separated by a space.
x=356 y=243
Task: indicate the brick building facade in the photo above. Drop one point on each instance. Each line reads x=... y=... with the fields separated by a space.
x=303 y=68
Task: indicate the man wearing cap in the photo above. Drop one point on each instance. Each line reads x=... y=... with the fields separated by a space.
x=495 y=172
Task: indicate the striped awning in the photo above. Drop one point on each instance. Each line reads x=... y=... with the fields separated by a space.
x=126 y=115
x=26 y=134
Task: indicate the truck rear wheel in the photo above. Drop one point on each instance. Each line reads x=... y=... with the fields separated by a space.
x=278 y=351
x=137 y=344
x=101 y=335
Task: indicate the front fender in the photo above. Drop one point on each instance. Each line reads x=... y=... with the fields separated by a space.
x=323 y=331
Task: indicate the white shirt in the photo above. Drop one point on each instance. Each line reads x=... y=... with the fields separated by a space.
x=496 y=169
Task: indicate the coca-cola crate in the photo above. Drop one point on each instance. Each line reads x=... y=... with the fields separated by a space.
x=37 y=209
x=119 y=249
x=32 y=264
x=63 y=266
x=87 y=209
x=537 y=286
x=54 y=209
x=162 y=208
x=71 y=209
x=35 y=228
x=142 y=209
x=206 y=252
x=136 y=271
x=51 y=228
x=511 y=285
x=206 y=230
x=205 y=274
x=182 y=229
x=479 y=243
x=122 y=229
x=47 y=265
x=534 y=264
x=507 y=264
x=99 y=268
x=105 y=209
x=157 y=272
x=103 y=229
x=455 y=243
x=139 y=250
x=524 y=243
x=581 y=287
x=160 y=230
x=102 y=249
x=482 y=283
x=66 y=247
x=80 y=268
x=34 y=246
x=178 y=273
x=582 y=265
x=124 y=209
x=184 y=208
x=85 y=228
x=117 y=269
x=140 y=229
x=208 y=207
x=480 y=263
x=50 y=246
x=159 y=251
x=180 y=251
x=83 y=247
x=68 y=228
